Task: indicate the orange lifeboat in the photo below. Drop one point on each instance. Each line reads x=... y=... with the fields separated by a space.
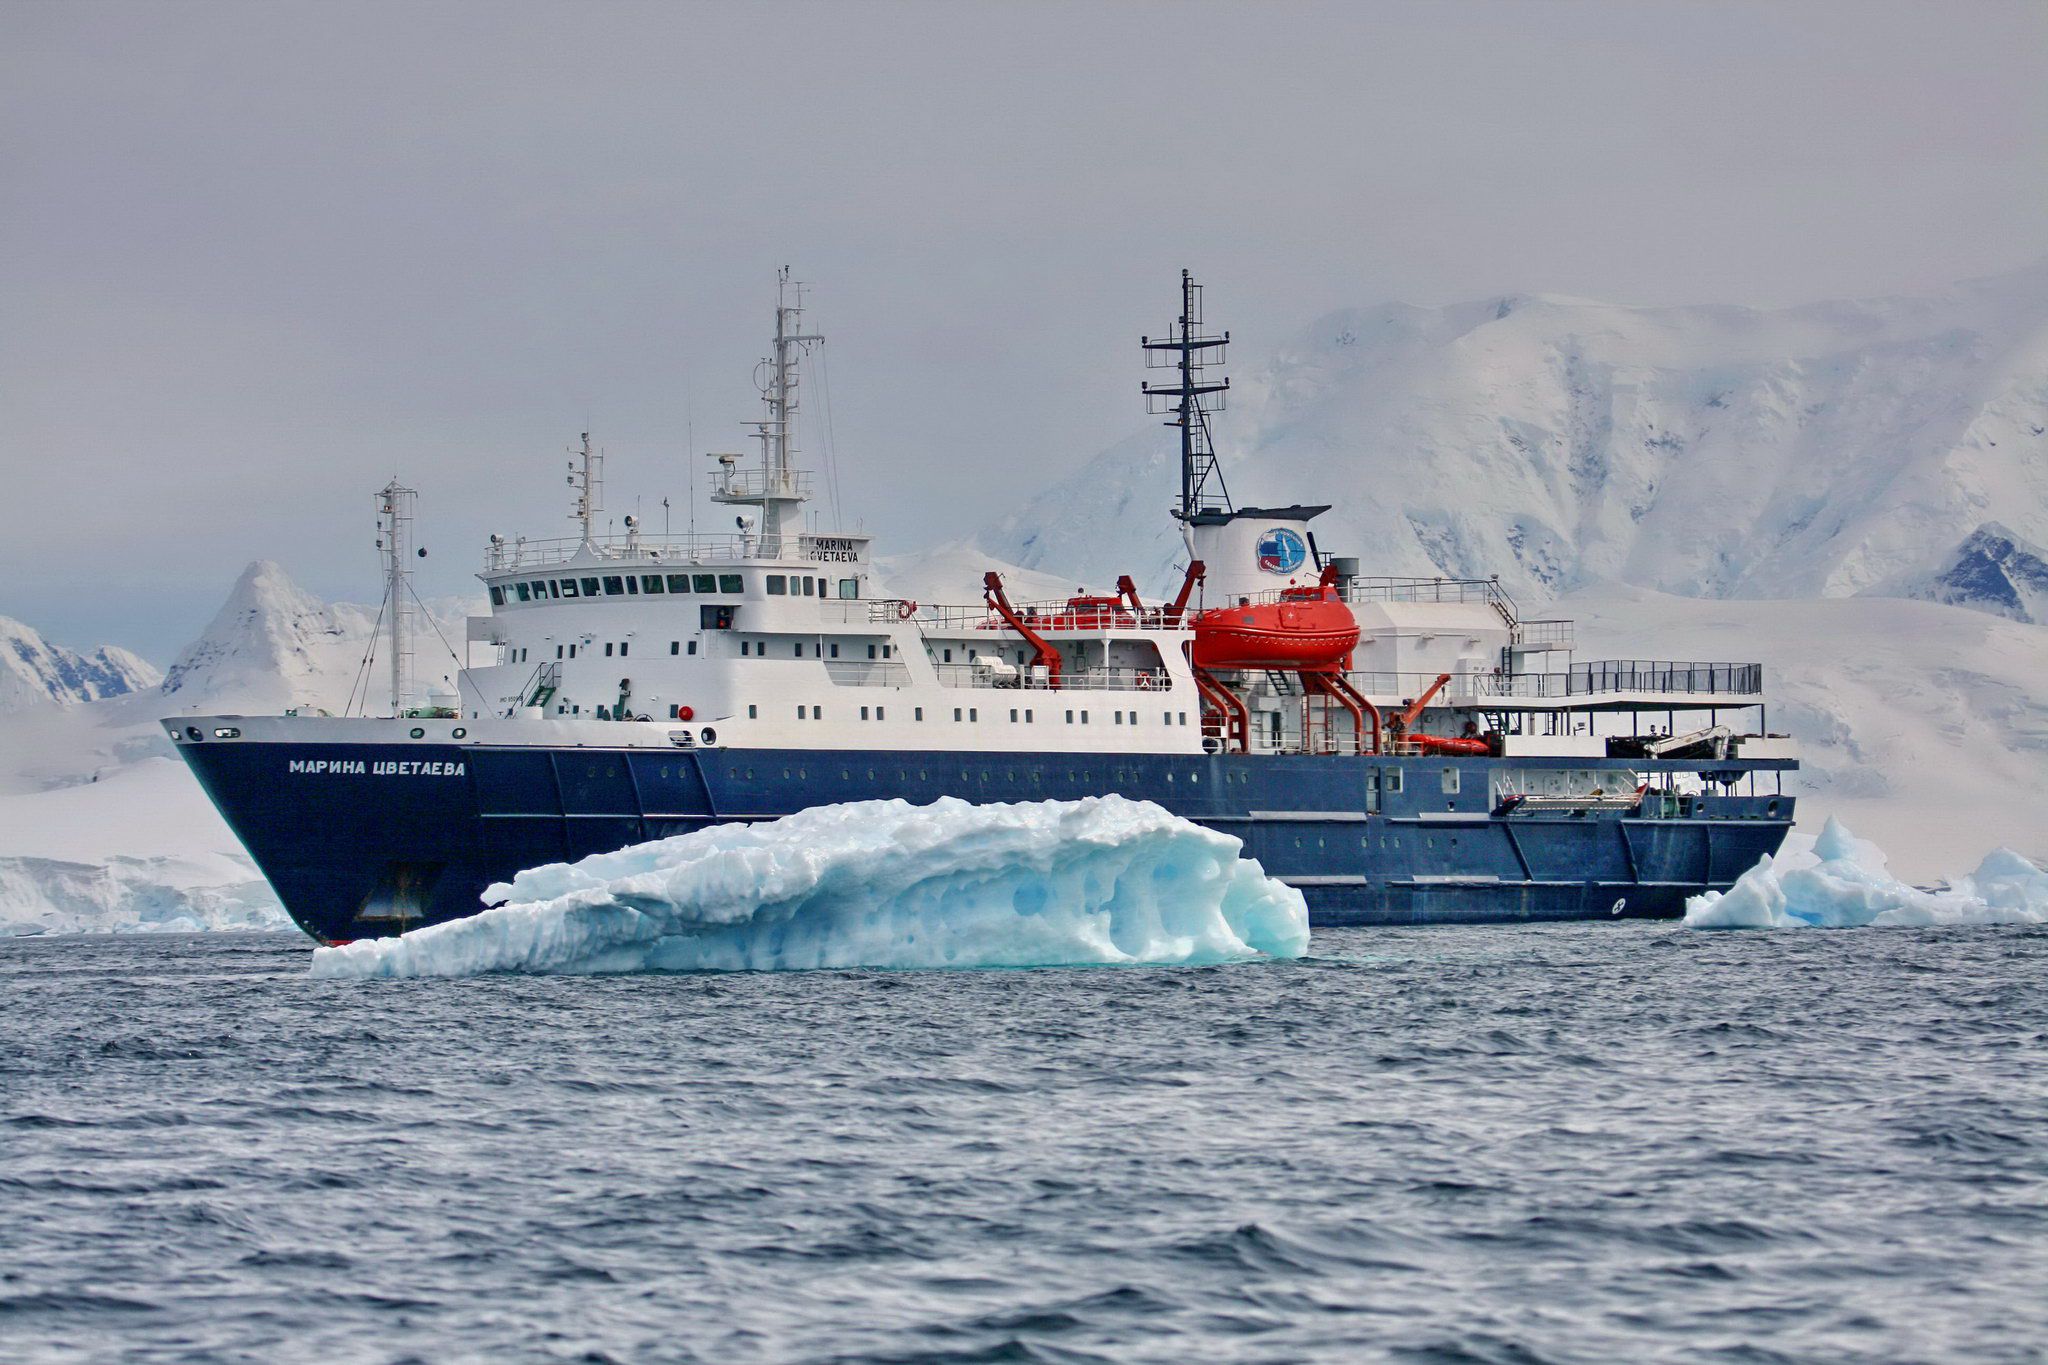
x=1307 y=630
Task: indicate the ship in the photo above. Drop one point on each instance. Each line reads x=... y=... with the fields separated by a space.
x=1403 y=750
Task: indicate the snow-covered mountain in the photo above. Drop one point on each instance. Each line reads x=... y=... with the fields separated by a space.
x=1992 y=570
x=1817 y=451
x=101 y=826
x=34 y=672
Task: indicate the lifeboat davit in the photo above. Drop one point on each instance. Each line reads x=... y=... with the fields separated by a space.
x=1308 y=629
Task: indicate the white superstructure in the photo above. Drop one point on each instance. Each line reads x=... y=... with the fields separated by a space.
x=773 y=636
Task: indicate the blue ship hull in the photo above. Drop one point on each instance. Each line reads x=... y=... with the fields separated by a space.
x=366 y=840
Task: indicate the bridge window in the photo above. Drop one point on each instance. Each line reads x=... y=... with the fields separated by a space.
x=730 y=582
x=778 y=585
x=849 y=588
x=632 y=585
x=497 y=596
x=650 y=582
x=810 y=587
x=554 y=589
x=704 y=582
x=678 y=582
x=568 y=587
x=525 y=593
x=589 y=586
x=614 y=585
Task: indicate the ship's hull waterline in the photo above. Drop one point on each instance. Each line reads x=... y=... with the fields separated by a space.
x=365 y=840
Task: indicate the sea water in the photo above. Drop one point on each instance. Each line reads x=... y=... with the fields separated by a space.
x=1567 y=1143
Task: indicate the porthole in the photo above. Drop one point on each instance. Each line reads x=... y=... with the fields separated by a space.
x=459 y=733
x=708 y=735
x=1770 y=808
x=226 y=732
x=418 y=733
x=192 y=733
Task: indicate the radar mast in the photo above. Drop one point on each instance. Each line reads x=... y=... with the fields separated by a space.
x=780 y=487
x=1190 y=400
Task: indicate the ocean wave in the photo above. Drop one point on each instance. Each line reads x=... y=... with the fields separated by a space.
x=1103 y=880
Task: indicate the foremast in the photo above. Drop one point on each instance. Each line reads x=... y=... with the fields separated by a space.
x=779 y=489
x=1190 y=400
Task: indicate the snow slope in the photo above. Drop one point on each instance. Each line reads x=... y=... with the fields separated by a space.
x=1816 y=451
x=33 y=671
x=101 y=826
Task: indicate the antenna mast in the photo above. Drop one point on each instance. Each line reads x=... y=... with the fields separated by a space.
x=586 y=476
x=395 y=505
x=782 y=488
x=1189 y=400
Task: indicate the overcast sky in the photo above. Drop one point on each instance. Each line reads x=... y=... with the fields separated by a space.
x=255 y=258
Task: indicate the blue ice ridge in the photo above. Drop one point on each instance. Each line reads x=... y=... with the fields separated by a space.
x=1844 y=883
x=1104 y=880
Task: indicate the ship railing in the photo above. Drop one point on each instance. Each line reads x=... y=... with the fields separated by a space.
x=1486 y=591
x=1050 y=617
x=1606 y=676
x=1031 y=678
x=1557 y=633
x=863 y=673
x=512 y=556
x=752 y=485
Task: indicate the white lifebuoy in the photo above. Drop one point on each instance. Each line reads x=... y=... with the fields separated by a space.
x=905 y=610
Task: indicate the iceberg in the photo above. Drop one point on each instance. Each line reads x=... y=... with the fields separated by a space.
x=1104 y=880
x=1844 y=882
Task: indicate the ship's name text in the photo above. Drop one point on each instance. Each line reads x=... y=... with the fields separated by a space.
x=832 y=550
x=357 y=767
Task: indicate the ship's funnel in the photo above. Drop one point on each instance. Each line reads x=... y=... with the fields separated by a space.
x=1254 y=550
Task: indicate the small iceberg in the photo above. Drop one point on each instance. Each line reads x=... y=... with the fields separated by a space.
x=1844 y=883
x=1103 y=880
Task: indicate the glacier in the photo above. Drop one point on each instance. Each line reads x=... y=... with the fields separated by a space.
x=1845 y=882
x=1102 y=880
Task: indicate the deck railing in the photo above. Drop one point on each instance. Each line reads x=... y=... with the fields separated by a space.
x=1029 y=680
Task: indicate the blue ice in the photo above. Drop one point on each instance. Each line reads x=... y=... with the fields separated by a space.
x=1844 y=883
x=874 y=884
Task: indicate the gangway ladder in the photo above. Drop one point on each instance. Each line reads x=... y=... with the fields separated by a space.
x=542 y=686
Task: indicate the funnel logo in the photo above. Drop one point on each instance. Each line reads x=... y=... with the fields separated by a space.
x=1281 y=551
